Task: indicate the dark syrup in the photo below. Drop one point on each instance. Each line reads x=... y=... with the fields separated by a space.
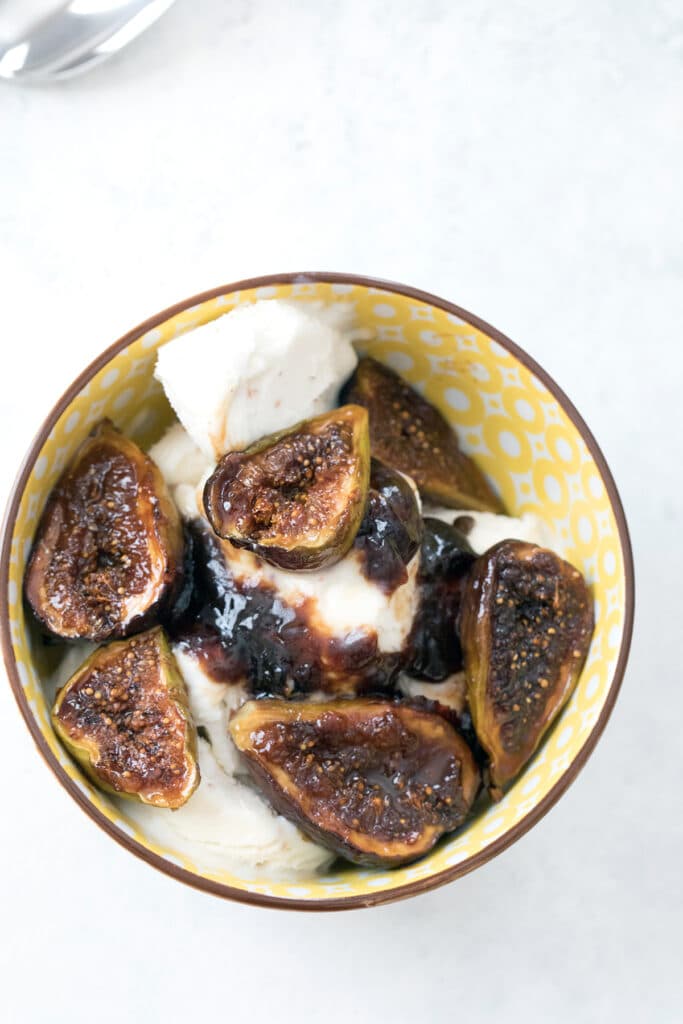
x=445 y=559
x=246 y=632
x=391 y=530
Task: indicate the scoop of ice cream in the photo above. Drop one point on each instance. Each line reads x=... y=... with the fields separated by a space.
x=256 y=370
x=225 y=825
x=183 y=466
x=225 y=822
x=178 y=458
x=340 y=601
x=336 y=630
x=452 y=691
x=484 y=529
x=212 y=704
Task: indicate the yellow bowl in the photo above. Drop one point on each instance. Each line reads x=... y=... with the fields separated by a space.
x=509 y=415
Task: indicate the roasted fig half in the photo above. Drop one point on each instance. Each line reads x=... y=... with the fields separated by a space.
x=109 y=546
x=407 y=432
x=445 y=560
x=377 y=782
x=391 y=529
x=124 y=717
x=295 y=498
x=526 y=622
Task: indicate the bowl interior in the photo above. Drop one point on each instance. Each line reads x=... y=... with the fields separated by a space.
x=505 y=417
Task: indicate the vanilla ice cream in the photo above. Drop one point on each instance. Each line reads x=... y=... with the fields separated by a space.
x=183 y=466
x=178 y=458
x=256 y=370
x=484 y=529
x=212 y=704
x=340 y=600
x=226 y=825
x=452 y=692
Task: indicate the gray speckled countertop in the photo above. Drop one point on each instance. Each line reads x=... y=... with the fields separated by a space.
x=524 y=160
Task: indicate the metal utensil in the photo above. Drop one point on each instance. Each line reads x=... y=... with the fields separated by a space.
x=74 y=37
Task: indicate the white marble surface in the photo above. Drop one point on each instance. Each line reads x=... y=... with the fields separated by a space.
x=523 y=159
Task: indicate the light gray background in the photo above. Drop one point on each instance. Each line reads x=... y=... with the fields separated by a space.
x=522 y=159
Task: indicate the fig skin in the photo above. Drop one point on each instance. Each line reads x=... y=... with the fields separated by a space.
x=391 y=529
x=296 y=498
x=409 y=433
x=526 y=622
x=124 y=717
x=377 y=782
x=108 y=551
x=445 y=560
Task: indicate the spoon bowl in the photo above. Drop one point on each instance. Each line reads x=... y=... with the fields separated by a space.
x=70 y=37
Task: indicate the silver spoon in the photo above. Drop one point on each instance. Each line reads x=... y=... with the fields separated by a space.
x=74 y=36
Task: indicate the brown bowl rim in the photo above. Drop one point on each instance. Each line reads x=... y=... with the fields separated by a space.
x=343 y=902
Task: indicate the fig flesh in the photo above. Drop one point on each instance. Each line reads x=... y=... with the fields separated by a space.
x=295 y=499
x=124 y=717
x=375 y=781
x=445 y=560
x=391 y=529
x=407 y=432
x=108 y=551
x=526 y=622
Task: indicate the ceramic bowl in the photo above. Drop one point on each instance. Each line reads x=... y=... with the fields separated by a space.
x=510 y=417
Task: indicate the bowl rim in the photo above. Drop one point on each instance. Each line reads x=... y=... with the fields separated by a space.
x=341 y=902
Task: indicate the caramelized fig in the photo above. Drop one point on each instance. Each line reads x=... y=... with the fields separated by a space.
x=296 y=498
x=526 y=622
x=390 y=532
x=407 y=432
x=109 y=547
x=375 y=781
x=124 y=717
x=445 y=560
